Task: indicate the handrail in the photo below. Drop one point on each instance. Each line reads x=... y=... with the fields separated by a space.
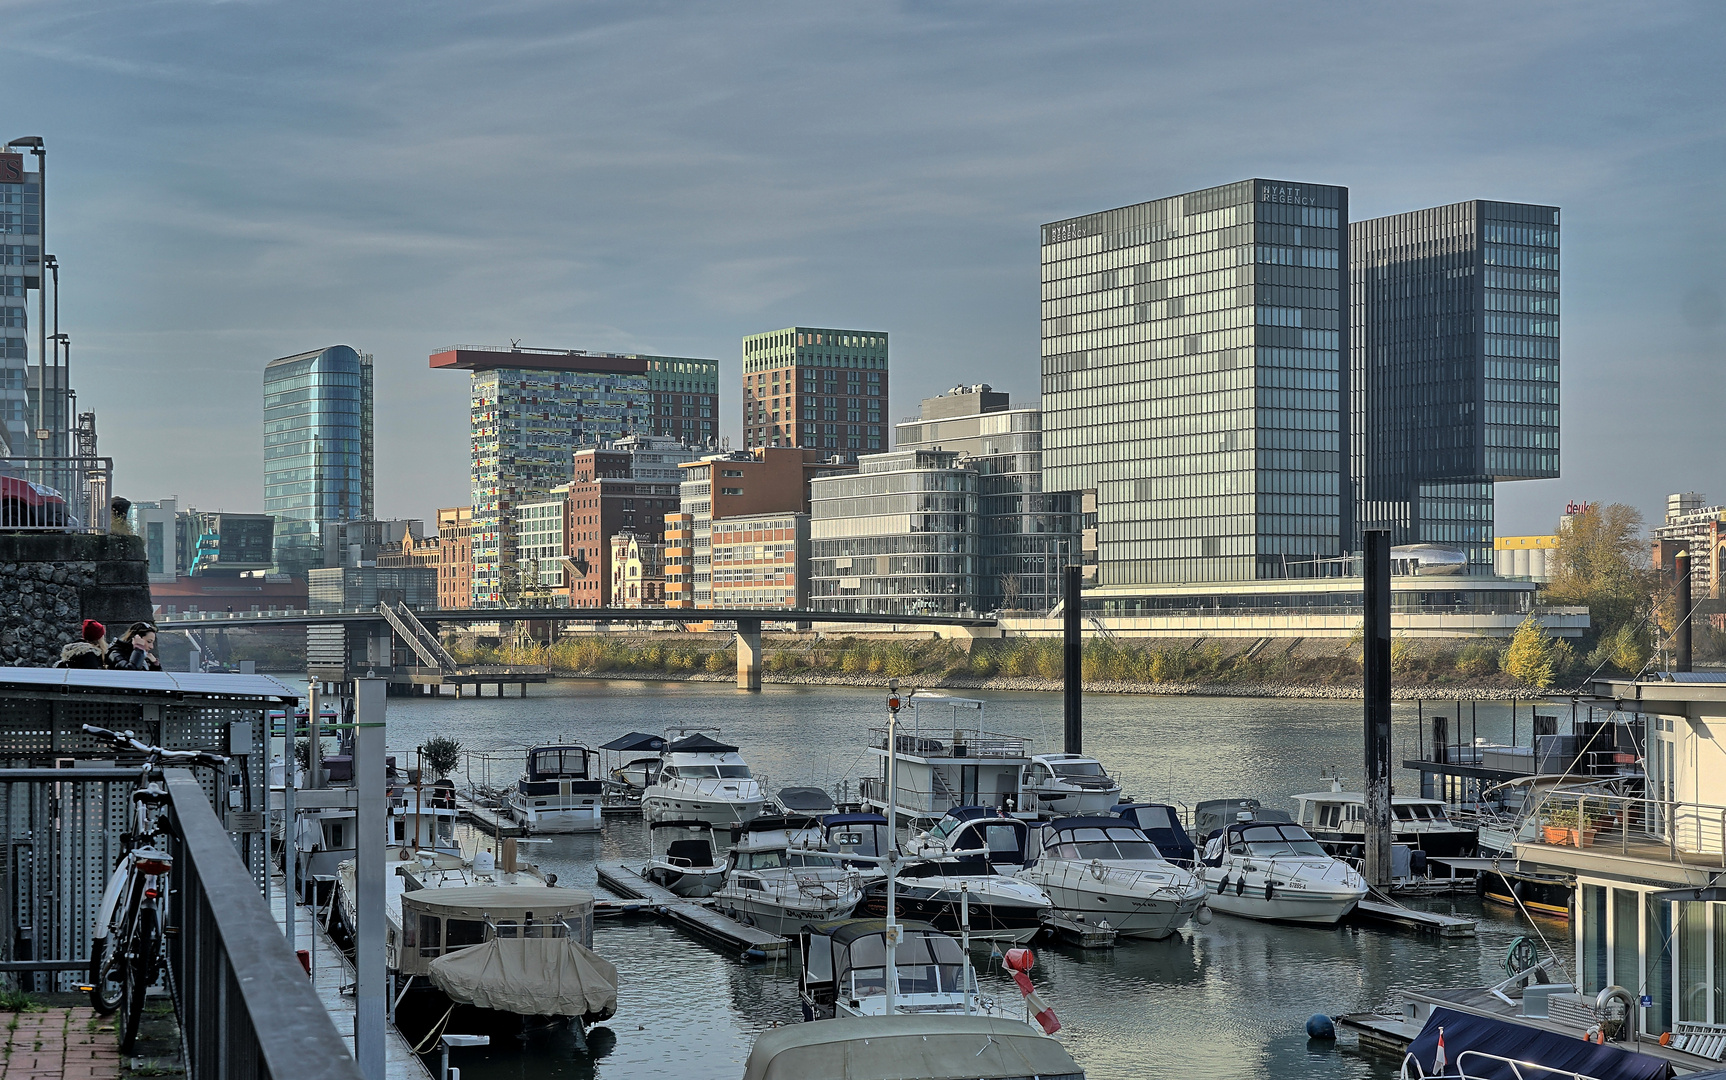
x=244 y=1003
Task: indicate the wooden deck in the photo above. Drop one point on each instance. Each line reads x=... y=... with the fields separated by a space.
x=1405 y=918
x=696 y=918
x=331 y=971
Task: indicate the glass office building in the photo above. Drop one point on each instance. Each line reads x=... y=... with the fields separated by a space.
x=1454 y=367
x=317 y=449
x=1193 y=378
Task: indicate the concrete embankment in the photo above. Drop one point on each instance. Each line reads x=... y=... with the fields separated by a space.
x=1031 y=683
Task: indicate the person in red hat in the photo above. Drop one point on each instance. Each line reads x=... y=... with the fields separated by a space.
x=88 y=651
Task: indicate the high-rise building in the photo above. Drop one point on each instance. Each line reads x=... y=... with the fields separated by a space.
x=1192 y=373
x=761 y=560
x=900 y=536
x=317 y=449
x=1454 y=367
x=455 y=557
x=817 y=389
x=1026 y=534
x=533 y=410
x=20 y=274
x=743 y=483
x=685 y=403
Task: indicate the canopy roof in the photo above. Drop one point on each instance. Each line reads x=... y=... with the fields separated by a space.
x=928 y=1047
x=807 y=800
x=1068 y=824
x=845 y=931
x=636 y=741
x=478 y=900
x=699 y=744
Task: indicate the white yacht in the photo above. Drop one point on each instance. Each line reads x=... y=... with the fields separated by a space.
x=844 y=972
x=978 y=848
x=1337 y=820
x=778 y=886
x=704 y=779
x=684 y=858
x=1277 y=872
x=558 y=791
x=1104 y=869
x=1065 y=784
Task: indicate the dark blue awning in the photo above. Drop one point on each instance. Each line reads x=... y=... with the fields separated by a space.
x=1520 y=1043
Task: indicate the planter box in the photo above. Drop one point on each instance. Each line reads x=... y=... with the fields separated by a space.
x=1569 y=837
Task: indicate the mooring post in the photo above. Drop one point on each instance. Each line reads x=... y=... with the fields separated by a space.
x=371 y=821
x=748 y=654
x=1072 y=667
x=1376 y=668
x=1681 y=600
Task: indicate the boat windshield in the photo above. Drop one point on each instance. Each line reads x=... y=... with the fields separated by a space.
x=1273 y=840
x=761 y=860
x=709 y=772
x=927 y=964
x=1106 y=844
x=1078 y=768
x=821 y=862
x=1154 y=817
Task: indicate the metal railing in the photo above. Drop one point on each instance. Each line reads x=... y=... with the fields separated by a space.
x=245 y=1005
x=949 y=742
x=56 y=494
x=935 y=803
x=1630 y=824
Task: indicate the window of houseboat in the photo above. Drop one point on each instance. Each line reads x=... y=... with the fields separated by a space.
x=431 y=935
x=460 y=933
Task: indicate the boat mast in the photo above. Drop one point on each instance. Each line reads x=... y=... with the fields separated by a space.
x=892 y=935
x=965 y=939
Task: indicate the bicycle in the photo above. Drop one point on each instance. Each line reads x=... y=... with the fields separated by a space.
x=126 y=940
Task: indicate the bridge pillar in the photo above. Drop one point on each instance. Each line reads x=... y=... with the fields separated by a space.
x=748 y=654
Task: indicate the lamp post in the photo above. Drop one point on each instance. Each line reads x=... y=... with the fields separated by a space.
x=35 y=145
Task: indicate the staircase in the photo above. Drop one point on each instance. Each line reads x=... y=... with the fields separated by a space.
x=942 y=791
x=422 y=641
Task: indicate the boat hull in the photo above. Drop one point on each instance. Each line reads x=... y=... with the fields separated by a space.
x=781 y=920
x=1075 y=803
x=572 y=819
x=1306 y=910
x=992 y=919
x=1540 y=894
x=677 y=806
x=1137 y=913
x=687 y=882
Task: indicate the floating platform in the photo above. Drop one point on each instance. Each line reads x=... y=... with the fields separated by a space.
x=1406 y=918
x=1391 y=1034
x=489 y=821
x=698 y=919
x=1086 y=935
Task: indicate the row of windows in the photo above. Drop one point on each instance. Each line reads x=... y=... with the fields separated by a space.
x=1521 y=324
x=1528 y=303
x=1517 y=279
x=1532 y=393
x=1521 y=371
x=1521 y=347
x=1526 y=235
x=1527 y=258
x=1522 y=438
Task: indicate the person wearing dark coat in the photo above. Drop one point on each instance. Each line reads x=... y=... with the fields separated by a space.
x=87 y=652
x=136 y=649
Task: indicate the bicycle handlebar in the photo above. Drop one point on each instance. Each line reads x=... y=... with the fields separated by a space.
x=127 y=740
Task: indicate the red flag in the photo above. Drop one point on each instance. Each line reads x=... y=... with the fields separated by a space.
x=1438 y=1060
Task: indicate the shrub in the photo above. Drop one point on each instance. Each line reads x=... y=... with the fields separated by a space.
x=1529 y=658
x=1402 y=655
x=1477 y=659
x=719 y=661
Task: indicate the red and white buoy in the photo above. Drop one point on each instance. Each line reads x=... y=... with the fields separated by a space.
x=1019 y=962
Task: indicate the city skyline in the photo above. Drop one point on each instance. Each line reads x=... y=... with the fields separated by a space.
x=246 y=248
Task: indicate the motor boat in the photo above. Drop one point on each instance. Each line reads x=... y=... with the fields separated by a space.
x=944 y=1047
x=702 y=778
x=974 y=846
x=684 y=858
x=845 y=963
x=1277 y=872
x=1161 y=824
x=493 y=944
x=1062 y=784
x=856 y=834
x=1337 y=820
x=1212 y=816
x=805 y=806
x=558 y=792
x=637 y=774
x=1100 y=869
x=774 y=881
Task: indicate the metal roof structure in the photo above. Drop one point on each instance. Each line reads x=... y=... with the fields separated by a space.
x=143 y=685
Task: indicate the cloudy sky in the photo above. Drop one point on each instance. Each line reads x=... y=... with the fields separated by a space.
x=232 y=182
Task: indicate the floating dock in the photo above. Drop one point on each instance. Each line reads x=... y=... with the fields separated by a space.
x=698 y=919
x=489 y=821
x=1086 y=935
x=331 y=975
x=1405 y=918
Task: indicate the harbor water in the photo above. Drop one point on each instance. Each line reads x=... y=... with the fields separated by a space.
x=1220 y=1001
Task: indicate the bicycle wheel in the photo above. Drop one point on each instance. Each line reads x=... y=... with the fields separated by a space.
x=140 y=973
x=107 y=976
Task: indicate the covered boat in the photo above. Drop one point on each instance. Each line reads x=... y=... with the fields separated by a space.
x=929 y=1047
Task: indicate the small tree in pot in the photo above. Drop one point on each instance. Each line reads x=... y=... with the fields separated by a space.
x=441 y=755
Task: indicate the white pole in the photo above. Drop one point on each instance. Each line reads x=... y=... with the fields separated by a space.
x=965 y=939
x=892 y=935
x=371 y=822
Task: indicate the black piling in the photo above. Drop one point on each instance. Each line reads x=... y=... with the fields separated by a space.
x=1072 y=667
x=1681 y=601
x=1376 y=665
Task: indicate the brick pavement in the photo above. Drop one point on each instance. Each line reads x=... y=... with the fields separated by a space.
x=59 y=1044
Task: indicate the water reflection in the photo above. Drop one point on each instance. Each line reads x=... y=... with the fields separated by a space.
x=1221 y=1001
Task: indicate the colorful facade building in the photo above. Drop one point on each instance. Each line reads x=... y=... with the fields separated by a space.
x=761 y=561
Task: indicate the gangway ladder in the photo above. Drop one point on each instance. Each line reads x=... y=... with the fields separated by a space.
x=423 y=642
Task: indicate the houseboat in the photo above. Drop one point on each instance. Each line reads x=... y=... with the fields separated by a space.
x=946 y=759
x=559 y=791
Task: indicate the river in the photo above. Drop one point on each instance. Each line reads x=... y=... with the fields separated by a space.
x=1220 y=1001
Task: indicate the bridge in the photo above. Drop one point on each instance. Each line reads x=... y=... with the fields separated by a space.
x=330 y=634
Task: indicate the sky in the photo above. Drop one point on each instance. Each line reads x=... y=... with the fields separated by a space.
x=234 y=182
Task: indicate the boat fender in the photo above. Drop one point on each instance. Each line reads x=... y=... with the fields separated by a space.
x=1270 y=889
x=1319 y=1026
x=1241 y=886
x=1203 y=915
x=754 y=956
x=1223 y=885
x=1417 y=862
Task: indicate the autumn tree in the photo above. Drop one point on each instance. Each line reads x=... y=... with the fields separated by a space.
x=1602 y=562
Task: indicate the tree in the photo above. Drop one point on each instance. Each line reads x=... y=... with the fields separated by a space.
x=1602 y=562
x=441 y=755
x=1531 y=654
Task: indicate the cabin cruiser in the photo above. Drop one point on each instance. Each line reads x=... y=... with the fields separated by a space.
x=1065 y=784
x=1212 y=816
x=1161 y=824
x=774 y=881
x=844 y=972
x=977 y=847
x=684 y=858
x=500 y=942
x=1103 y=868
x=1337 y=820
x=557 y=793
x=1278 y=872
x=705 y=779
x=943 y=1046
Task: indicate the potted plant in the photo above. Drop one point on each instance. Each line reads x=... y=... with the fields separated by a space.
x=1565 y=827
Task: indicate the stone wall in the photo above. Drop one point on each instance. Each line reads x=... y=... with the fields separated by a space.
x=51 y=582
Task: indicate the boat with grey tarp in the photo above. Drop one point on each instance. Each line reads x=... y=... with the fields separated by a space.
x=926 y=1047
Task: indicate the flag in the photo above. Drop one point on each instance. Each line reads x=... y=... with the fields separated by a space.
x=1438 y=1060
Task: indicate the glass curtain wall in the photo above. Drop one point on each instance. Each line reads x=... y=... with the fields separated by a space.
x=317 y=449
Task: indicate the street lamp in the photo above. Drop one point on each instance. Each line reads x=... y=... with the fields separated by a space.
x=34 y=144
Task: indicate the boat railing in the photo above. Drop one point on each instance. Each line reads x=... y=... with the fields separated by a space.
x=1164 y=881
x=509 y=929
x=1486 y=1064
x=950 y=742
x=935 y=803
x=1646 y=827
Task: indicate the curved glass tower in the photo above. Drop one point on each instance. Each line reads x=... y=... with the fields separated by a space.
x=317 y=449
